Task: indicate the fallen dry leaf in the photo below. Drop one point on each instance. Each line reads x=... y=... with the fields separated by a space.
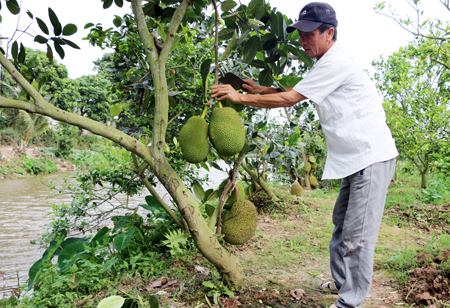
x=297 y=294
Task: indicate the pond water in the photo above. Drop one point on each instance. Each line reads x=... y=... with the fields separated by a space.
x=25 y=206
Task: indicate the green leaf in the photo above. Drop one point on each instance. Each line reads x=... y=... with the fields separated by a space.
x=109 y=264
x=57 y=28
x=71 y=44
x=258 y=64
x=154 y=207
x=107 y=3
x=199 y=191
x=228 y=5
x=271 y=43
x=209 y=209
x=115 y=110
x=32 y=273
x=13 y=7
x=169 y=2
x=32 y=61
x=40 y=39
x=25 y=72
x=256 y=8
x=119 y=3
x=68 y=254
x=58 y=40
x=74 y=281
x=229 y=48
x=69 y=29
x=49 y=53
x=28 y=13
x=114 y=301
x=15 y=50
x=204 y=70
x=103 y=231
x=293 y=139
x=290 y=81
x=251 y=49
x=265 y=77
x=88 y=25
x=226 y=34
x=273 y=58
x=21 y=56
x=300 y=54
x=59 y=50
x=154 y=302
x=121 y=240
x=117 y=21
x=42 y=25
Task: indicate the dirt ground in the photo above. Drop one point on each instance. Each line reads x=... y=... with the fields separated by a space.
x=9 y=153
x=290 y=252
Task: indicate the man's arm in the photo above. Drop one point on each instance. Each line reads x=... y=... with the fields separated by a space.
x=252 y=87
x=275 y=100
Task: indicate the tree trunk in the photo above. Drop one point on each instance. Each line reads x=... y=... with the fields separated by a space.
x=423 y=183
x=261 y=182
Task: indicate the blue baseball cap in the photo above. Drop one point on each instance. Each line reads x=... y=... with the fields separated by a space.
x=314 y=15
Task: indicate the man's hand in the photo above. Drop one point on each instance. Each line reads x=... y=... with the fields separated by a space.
x=226 y=91
x=252 y=87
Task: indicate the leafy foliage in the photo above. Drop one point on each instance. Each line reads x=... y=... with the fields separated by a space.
x=416 y=91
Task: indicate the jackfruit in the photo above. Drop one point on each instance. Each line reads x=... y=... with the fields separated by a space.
x=193 y=140
x=313 y=181
x=314 y=166
x=226 y=131
x=303 y=182
x=239 y=223
x=307 y=167
x=296 y=189
x=232 y=198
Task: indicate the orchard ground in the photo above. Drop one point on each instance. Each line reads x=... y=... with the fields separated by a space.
x=288 y=258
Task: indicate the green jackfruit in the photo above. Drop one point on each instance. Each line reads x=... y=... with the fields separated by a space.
x=296 y=189
x=314 y=166
x=232 y=198
x=193 y=140
x=313 y=181
x=239 y=223
x=226 y=131
x=307 y=167
x=303 y=182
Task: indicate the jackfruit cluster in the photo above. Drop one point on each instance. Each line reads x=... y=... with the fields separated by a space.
x=232 y=199
x=239 y=223
x=193 y=140
x=296 y=189
x=226 y=131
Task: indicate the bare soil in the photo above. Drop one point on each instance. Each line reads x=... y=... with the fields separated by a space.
x=10 y=152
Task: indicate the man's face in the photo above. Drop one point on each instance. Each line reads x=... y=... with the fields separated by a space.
x=316 y=44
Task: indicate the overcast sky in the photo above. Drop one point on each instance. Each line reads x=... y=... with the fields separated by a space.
x=364 y=34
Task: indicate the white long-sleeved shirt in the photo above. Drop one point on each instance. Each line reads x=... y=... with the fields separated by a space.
x=350 y=112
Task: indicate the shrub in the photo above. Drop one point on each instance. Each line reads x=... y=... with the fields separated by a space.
x=9 y=136
x=39 y=166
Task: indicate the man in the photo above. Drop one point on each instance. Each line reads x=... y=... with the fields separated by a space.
x=361 y=150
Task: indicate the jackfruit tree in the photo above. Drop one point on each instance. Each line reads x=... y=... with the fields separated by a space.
x=152 y=46
x=415 y=90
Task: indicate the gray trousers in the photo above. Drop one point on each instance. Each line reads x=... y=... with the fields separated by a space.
x=357 y=218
